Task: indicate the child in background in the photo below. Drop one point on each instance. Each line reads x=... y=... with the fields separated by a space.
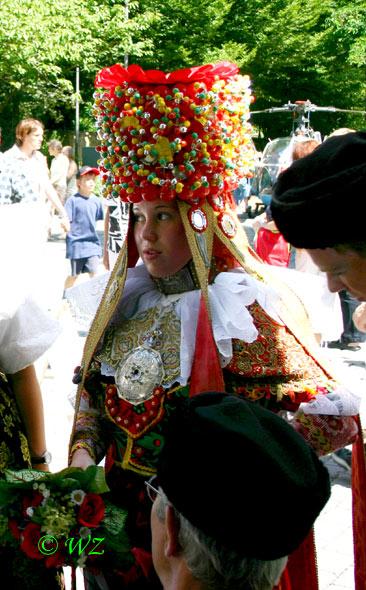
x=84 y=209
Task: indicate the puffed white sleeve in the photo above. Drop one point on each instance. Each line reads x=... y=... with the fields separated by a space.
x=25 y=335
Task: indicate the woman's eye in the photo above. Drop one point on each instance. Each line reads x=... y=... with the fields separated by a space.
x=163 y=215
x=137 y=217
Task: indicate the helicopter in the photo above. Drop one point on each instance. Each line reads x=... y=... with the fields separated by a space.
x=277 y=154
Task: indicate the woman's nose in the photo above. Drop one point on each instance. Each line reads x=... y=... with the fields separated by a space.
x=148 y=231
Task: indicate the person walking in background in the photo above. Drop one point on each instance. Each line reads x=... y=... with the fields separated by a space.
x=18 y=225
x=59 y=168
x=71 y=187
x=25 y=152
x=27 y=191
x=84 y=209
x=14 y=184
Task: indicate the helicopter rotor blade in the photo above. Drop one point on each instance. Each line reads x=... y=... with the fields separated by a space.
x=314 y=107
x=271 y=110
x=348 y=111
x=306 y=107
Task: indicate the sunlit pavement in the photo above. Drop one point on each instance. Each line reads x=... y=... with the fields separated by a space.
x=333 y=528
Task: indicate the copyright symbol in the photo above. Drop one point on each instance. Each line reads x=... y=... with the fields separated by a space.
x=47 y=545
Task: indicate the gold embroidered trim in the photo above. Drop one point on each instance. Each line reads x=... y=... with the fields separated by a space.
x=128 y=452
x=82 y=445
x=161 y=325
x=131 y=466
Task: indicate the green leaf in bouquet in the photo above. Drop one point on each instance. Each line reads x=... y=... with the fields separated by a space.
x=16 y=482
x=6 y=538
x=114 y=519
x=24 y=476
x=97 y=482
x=91 y=479
x=6 y=496
x=114 y=525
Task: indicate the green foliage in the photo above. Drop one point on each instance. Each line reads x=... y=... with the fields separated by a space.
x=292 y=49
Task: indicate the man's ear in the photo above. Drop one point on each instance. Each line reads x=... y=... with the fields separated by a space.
x=172 y=547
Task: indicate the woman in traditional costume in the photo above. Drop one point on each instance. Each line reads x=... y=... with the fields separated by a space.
x=188 y=307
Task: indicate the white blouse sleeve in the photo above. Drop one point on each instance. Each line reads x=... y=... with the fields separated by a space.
x=25 y=336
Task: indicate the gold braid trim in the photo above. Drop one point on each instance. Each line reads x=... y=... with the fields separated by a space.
x=83 y=445
x=127 y=454
x=200 y=245
x=102 y=317
x=128 y=463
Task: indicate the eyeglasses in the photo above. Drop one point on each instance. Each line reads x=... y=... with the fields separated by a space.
x=151 y=490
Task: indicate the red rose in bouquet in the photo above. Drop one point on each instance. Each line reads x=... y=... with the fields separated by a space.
x=29 y=544
x=91 y=510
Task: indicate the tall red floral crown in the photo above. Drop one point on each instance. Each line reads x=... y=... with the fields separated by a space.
x=183 y=134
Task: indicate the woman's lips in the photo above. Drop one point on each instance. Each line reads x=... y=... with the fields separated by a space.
x=151 y=254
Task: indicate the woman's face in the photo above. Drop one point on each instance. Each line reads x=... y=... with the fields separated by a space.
x=33 y=140
x=346 y=270
x=160 y=238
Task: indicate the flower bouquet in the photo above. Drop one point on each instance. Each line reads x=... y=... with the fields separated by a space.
x=62 y=518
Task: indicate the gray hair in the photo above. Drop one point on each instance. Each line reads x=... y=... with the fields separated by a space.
x=216 y=567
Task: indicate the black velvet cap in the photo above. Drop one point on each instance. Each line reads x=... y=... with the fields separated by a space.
x=320 y=200
x=242 y=475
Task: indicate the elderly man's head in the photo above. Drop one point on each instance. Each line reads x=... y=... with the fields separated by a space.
x=231 y=477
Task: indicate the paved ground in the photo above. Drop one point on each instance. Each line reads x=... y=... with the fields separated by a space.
x=333 y=529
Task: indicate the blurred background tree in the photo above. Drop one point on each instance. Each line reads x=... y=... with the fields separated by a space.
x=292 y=50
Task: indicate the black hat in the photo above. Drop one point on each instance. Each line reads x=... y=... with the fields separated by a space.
x=242 y=475
x=87 y=170
x=320 y=200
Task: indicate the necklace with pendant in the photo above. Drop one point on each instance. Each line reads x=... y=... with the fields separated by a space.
x=142 y=370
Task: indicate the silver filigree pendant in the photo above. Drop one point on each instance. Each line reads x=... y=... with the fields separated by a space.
x=139 y=374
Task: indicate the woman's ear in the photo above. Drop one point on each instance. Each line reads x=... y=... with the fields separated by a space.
x=172 y=547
